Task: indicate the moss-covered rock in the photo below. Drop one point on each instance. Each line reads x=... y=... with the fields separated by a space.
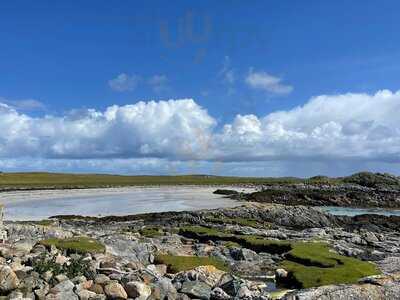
x=177 y=264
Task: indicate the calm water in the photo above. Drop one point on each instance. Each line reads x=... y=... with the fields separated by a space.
x=348 y=211
x=36 y=205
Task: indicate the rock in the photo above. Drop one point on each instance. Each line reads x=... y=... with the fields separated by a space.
x=281 y=273
x=42 y=292
x=163 y=289
x=63 y=286
x=86 y=295
x=61 y=259
x=47 y=276
x=8 y=279
x=243 y=293
x=62 y=291
x=230 y=284
x=61 y=278
x=219 y=294
x=97 y=288
x=114 y=290
x=196 y=289
x=102 y=279
x=389 y=290
x=137 y=290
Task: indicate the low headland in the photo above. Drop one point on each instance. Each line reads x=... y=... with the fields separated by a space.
x=276 y=245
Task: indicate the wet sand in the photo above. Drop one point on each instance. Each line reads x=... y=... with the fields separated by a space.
x=37 y=205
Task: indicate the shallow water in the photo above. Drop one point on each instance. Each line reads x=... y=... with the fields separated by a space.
x=349 y=211
x=37 y=205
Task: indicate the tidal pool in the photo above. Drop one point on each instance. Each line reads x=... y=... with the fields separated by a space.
x=37 y=205
x=349 y=211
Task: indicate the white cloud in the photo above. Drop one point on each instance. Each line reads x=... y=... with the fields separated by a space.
x=158 y=83
x=357 y=129
x=267 y=82
x=24 y=104
x=124 y=82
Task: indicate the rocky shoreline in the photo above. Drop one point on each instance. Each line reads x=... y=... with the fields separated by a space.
x=255 y=251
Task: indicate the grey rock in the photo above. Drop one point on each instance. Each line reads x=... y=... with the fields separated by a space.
x=196 y=289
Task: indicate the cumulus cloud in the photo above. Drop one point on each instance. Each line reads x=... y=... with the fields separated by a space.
x=350 y=127
x=124 y=82
x=267 y=82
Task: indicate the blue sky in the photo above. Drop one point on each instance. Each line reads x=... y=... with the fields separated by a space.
x=232 y=58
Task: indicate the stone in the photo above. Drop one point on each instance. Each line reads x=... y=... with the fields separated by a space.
x=281 y=273
x=114 y=290
x=61 y=277
x=42 y=292
x=219 y=294
x=63 y=286
x=86 y=295
x=163 y=289
x=47 y=276
x=196 y=289
x=8 y=279
x=97 y=288
x=102 y=279
x=138 y=290
x=61 y=259
x=244 y=292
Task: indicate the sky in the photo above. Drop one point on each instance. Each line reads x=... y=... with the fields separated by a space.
x=248 y=88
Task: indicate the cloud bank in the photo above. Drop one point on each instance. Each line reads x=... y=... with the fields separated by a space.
x=349 y=127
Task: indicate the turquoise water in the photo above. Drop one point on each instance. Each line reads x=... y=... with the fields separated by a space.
x=349 y=211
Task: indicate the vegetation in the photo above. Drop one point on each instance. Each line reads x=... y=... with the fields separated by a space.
x=60 y=181
x=151 y=232
x=43 y=180
x=75 y=245
x=253 y=242
x=308 y=263
x=177 y=264
x=314 y=264
x=76 y=267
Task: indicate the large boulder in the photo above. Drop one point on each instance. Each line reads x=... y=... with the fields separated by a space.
x=8 y=279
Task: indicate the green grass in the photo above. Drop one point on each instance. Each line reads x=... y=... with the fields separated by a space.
x=75 y=245
x=314 y=264
x=253 y=242
x=309 y=263
x=151 y=232
x=177 y=264
x=59 y=180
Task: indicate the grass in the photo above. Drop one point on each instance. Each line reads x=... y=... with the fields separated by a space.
x=151 y=232
x=43 y=180
x=60 y=180
x=75 y=244
x=314 y=264
x=253 y=242
x=309 y=263
x=177 y=264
